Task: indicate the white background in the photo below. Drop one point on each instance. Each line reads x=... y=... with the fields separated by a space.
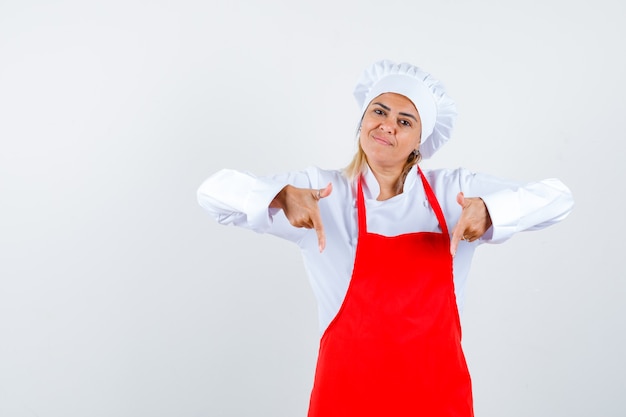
x=119 y=296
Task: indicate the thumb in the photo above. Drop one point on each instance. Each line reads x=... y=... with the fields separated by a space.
x=325 y=192
x=460 y=198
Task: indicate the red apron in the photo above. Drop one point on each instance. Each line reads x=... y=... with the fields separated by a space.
x=394 y=348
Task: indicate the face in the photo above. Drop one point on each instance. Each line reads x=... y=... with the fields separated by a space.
x=390 y=131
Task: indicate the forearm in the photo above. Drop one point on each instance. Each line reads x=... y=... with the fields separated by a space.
x=244 y=200
x=531 y=206
x=233 y=197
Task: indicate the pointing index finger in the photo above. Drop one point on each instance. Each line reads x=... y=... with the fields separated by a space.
x=319 y=229
x=456 y=238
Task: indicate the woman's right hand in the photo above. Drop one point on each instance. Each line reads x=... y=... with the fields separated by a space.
x=301 y=208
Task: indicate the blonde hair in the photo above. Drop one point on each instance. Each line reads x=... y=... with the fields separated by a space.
x=358 y=166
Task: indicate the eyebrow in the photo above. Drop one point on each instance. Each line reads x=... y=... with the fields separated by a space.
x=402 y=114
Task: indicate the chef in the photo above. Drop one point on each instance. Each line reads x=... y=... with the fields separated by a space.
x=387 y=248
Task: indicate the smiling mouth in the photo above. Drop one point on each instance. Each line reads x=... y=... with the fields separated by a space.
x=382 y=141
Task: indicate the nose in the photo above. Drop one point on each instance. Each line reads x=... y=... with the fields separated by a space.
x=386 y=126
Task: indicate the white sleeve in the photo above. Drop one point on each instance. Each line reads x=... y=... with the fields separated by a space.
x=516 y=207
x=242 y=199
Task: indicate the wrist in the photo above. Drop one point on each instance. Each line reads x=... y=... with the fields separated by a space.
x=279 y=200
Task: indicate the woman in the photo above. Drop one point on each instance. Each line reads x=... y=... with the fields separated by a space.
x=380 y=253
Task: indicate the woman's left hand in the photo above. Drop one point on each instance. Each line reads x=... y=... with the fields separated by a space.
x=472 y=224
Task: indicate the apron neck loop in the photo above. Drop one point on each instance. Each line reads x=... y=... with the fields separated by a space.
x=430 y=196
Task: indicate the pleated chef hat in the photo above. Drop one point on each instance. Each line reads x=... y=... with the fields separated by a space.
x=436 y=109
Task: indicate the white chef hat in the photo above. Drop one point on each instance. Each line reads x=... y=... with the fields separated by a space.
x=437 y=111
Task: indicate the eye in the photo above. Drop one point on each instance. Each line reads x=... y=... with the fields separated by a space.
x=379 y=112
x=405 y=123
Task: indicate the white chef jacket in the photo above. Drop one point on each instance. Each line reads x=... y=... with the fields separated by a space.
x=242 y=199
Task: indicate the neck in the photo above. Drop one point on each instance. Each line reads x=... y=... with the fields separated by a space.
x=390 y=181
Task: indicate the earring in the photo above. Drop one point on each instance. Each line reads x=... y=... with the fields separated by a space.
x=415 y=156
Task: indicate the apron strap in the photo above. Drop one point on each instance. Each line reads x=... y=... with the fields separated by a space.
x=360 y=203
x=434 y=204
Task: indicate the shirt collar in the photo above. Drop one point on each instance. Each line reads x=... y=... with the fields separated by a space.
x=371 y=188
